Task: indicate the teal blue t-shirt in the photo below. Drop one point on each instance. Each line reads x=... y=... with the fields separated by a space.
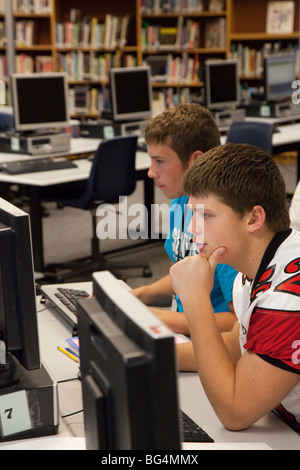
x=179 y=244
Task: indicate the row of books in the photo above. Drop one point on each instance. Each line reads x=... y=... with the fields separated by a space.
x=31 y=6
x=177 y=70
x=168 y=97
x=81 y=65
x=184 y=36
x=2 y=34
x=91 y=32
x=250 y=60
x=25 y=63
x=90 y=101
x=215 y=33
x=171 y=6
x=180 y=6
x=177 y=37
x=25 y=33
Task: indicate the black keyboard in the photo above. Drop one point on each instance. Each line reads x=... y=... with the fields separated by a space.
x=35 y=165
x=69 y=297
x=192 y=432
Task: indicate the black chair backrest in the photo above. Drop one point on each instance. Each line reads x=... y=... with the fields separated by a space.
x=6 y=120
x=253 y=133
x=113 y=170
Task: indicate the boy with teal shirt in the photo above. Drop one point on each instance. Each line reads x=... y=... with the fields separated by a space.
x=175 y=140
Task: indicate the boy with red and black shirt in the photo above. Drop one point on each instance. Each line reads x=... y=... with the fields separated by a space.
x=238 y=199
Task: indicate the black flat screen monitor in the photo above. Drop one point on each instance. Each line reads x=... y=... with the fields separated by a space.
x=18 y=322
x=128 y=372
x=130 y=93
x=39 y=101
x=279 y=74
x=221 y=84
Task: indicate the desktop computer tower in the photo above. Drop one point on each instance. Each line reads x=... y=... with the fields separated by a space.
x=226 y=117
x=30 y=407
x=106 y=129
x=39 y=144
x=266 y=109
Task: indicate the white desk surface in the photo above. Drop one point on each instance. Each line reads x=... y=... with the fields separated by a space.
x=268 y=432
x=48 y=178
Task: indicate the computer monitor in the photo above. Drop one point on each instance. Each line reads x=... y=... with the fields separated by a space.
x=130 y=93
x=128 y=371
x=221 y=84
x=279 y=74
x=39 y=101
x=18 y=322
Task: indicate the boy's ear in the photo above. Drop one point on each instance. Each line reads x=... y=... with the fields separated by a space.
x=194 y=156
x=256 y=218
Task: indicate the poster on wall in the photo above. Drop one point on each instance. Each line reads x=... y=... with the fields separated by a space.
x=280 y=17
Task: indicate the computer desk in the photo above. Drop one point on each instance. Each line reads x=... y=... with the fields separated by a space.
x=35 y=182
x=54 y=330
x=268 y=433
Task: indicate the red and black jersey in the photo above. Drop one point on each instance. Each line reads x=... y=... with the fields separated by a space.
x=268 y=309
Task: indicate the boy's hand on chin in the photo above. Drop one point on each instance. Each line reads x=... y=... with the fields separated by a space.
x=195 y=273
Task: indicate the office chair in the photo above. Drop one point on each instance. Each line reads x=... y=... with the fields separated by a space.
x=6 y=119
x=253 y=133
x=112 y=175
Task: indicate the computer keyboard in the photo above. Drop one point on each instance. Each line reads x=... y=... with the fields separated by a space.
x=36 y=164
x=192 y=432
x=69 y=297
x=65 y=299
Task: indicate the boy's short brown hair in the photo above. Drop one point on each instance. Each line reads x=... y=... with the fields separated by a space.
x=184 y=128
x=242 y=176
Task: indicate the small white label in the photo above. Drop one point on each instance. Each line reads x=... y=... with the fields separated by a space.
x=15 y=144
x=2 y=92
x=265 y=111
x=108 y=132
x=14 y=413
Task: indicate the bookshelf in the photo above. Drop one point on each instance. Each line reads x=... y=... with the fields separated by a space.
x=33 y=31
x=85 y=38
x=200 y=33
x=176 y=39
x=89 y=40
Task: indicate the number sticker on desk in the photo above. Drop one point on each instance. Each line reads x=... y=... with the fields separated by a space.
x=14 y=413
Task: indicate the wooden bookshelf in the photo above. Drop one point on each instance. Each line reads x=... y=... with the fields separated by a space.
x=89 y=40
x=34 y=41
x=198 y=34
x=50 y=45
x=247 y=33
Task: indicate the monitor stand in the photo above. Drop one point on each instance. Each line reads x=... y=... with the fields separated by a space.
x=28 y=404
